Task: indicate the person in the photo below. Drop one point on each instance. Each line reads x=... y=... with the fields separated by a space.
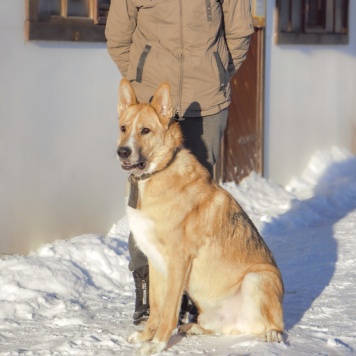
x=197 y=47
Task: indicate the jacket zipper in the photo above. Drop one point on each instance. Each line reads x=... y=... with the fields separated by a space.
x=177 y=113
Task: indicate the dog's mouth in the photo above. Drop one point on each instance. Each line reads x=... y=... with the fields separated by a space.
x=127 y=166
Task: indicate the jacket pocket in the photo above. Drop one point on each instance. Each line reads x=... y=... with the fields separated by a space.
x=141 y=63
x=221 y=71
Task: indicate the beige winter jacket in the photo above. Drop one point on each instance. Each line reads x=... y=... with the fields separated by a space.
x=195 y=45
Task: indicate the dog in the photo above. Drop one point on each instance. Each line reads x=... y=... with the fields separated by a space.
x=196 y=237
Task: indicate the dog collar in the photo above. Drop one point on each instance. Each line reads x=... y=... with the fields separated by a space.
x=133 y=197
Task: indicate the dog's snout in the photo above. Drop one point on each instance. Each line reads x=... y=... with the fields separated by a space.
x=124 y=152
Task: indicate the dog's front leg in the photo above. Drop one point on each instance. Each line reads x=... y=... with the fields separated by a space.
x=169 y=305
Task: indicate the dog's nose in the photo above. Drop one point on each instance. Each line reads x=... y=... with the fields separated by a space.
x=124 y=152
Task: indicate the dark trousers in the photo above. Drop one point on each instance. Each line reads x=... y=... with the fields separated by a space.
x=202 y=137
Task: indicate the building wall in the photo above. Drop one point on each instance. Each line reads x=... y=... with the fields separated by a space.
x=310 y=100
x=58 y=172
x=58 y=129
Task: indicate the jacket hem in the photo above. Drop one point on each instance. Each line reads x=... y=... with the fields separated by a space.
x=208 y=112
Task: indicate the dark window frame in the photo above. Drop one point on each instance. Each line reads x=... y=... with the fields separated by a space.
x=40 y=26
x=328 y=24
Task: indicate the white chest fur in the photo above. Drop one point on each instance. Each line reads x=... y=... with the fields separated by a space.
x=144 y=233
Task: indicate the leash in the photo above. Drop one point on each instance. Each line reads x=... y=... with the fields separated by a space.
x=133 y=197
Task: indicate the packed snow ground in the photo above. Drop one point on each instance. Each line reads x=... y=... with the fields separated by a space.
x=76 y=297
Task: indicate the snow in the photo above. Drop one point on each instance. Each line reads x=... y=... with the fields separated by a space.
x=76 y=297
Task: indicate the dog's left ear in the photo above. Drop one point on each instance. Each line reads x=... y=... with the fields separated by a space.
x=127 y=96
x=162 y=103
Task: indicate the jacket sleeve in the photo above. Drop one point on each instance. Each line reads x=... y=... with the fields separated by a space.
x=238 y=29
x=121 y=23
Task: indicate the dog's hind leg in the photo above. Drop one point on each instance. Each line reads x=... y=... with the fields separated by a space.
x=254 y=308
x=260 y=305
x=271 y=307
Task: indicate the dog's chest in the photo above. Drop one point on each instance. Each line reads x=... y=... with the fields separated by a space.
x=144 y=233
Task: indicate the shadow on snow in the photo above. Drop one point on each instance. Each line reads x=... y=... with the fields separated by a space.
x=305 y=246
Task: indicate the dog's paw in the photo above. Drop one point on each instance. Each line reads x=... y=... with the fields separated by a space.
x=151 y=347
x=135 y=337
x=191 y=329
x=273 y=335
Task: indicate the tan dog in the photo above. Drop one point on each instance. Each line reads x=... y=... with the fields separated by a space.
x=196 y=237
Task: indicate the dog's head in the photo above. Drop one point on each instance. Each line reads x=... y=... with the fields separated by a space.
x=148 y=138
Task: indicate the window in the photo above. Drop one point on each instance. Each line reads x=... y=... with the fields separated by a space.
x=66 y=20
x=312 y=21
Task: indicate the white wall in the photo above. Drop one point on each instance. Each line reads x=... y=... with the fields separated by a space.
x=310 y=100
x=58 y=172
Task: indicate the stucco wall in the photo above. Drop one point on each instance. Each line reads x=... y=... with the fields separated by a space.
x=58 y=172
x=310 y=100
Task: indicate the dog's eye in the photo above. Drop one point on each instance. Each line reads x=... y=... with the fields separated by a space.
x=145 y=131
x=123 y=128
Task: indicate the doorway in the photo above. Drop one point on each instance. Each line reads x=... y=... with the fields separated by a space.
x=242 y=144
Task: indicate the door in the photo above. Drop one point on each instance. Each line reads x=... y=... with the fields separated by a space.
x=242 y=145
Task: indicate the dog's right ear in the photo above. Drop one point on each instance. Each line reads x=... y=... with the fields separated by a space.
x=127 y=96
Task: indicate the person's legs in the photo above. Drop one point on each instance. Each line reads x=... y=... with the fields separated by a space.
x=202 y=137
x=139 y=266
x=142 y=305
x=137 y=258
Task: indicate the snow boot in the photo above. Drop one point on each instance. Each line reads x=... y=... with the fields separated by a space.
x=188 y=311
x=142 y=306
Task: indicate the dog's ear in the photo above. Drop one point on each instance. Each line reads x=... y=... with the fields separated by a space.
x=127 y=96
x=162 y=103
